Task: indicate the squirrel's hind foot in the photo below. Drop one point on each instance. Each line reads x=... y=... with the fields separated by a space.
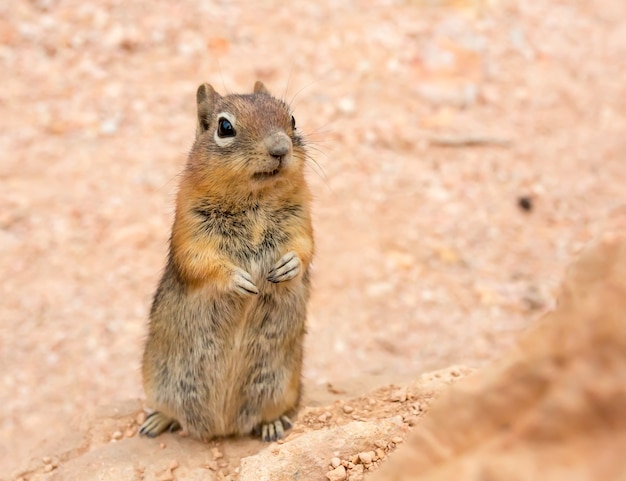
x=273 y=430
x=156 y=423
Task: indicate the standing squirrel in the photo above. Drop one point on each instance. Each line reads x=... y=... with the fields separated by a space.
x=227 y=323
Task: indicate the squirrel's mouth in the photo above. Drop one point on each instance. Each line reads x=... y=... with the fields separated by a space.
x=266 y=175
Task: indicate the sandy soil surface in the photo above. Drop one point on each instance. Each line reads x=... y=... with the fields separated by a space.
x=429 y=121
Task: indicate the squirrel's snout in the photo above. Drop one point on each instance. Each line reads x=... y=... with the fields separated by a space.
x=278 y=145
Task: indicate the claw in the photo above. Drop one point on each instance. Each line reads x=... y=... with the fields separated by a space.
x=156 y=423
x=285 y=269
x=274 y=430
x=243 y=282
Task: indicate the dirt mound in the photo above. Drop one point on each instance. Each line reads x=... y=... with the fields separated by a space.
x=554 y=409
x=336 y=430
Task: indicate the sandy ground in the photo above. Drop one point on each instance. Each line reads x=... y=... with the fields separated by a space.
x=429 y=120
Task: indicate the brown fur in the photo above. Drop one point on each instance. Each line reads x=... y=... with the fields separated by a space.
x=221 y=360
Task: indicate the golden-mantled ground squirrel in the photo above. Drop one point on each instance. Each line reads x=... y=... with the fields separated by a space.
x=224 y=349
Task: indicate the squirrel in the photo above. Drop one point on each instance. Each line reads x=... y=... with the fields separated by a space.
x=225 y=343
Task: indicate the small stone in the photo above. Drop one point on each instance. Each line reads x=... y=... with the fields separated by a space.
x=365 y=458
x=162 y=445
x=337 y=474
x=357 y=473
x=335 y=462
x=346 y=105
x=46 y=459
x=167 y=475
x=174 y=464
x=109 y=126
x=397 y=439
x=399 y=395
x=141 y=417
x=525 y=203
x=324 y=417
x=380 y=443
x=411 y=420
x=47 y=468
x=348 y=409
x=117 y=435
x=130 y=432
x=380 y=453
x=212 y=465
x=216 y=453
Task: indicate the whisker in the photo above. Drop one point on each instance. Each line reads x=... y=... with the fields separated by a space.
x=291 y=102
x=284 y=98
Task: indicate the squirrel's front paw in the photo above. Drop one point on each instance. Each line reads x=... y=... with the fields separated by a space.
x=242 y=282
x=285 y=269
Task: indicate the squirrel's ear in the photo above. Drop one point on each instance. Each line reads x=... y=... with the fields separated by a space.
x=260 y=88
x=206 y=97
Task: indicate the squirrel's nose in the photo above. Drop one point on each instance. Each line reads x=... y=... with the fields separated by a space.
x=278 y=145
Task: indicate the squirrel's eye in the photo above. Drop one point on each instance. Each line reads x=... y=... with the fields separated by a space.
x=293 y=122
x=225 y=128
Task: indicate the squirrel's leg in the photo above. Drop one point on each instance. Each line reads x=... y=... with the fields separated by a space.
x=156 y=423
x=272 y=389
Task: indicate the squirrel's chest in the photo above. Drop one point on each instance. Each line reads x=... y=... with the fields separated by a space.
x=255 y=241
x=252 y=235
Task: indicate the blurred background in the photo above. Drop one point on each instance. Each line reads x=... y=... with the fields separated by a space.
x=465 y=151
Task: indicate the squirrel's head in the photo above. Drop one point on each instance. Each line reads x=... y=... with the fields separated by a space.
x=245 y=141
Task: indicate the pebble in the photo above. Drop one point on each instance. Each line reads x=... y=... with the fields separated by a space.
x=335 y=462
x=399 y=395
x=117 y=435
x=109 y=127
x=357 y=473
x=46 y=459
x=346 y=105
x=411 y=420
x=397 y=440
x=174 y=464
x=216 y=453
x=337 y=474
x=348 y=409
x=324 y=417
x=166 y=476
x=365 y=458
x=380 y=443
